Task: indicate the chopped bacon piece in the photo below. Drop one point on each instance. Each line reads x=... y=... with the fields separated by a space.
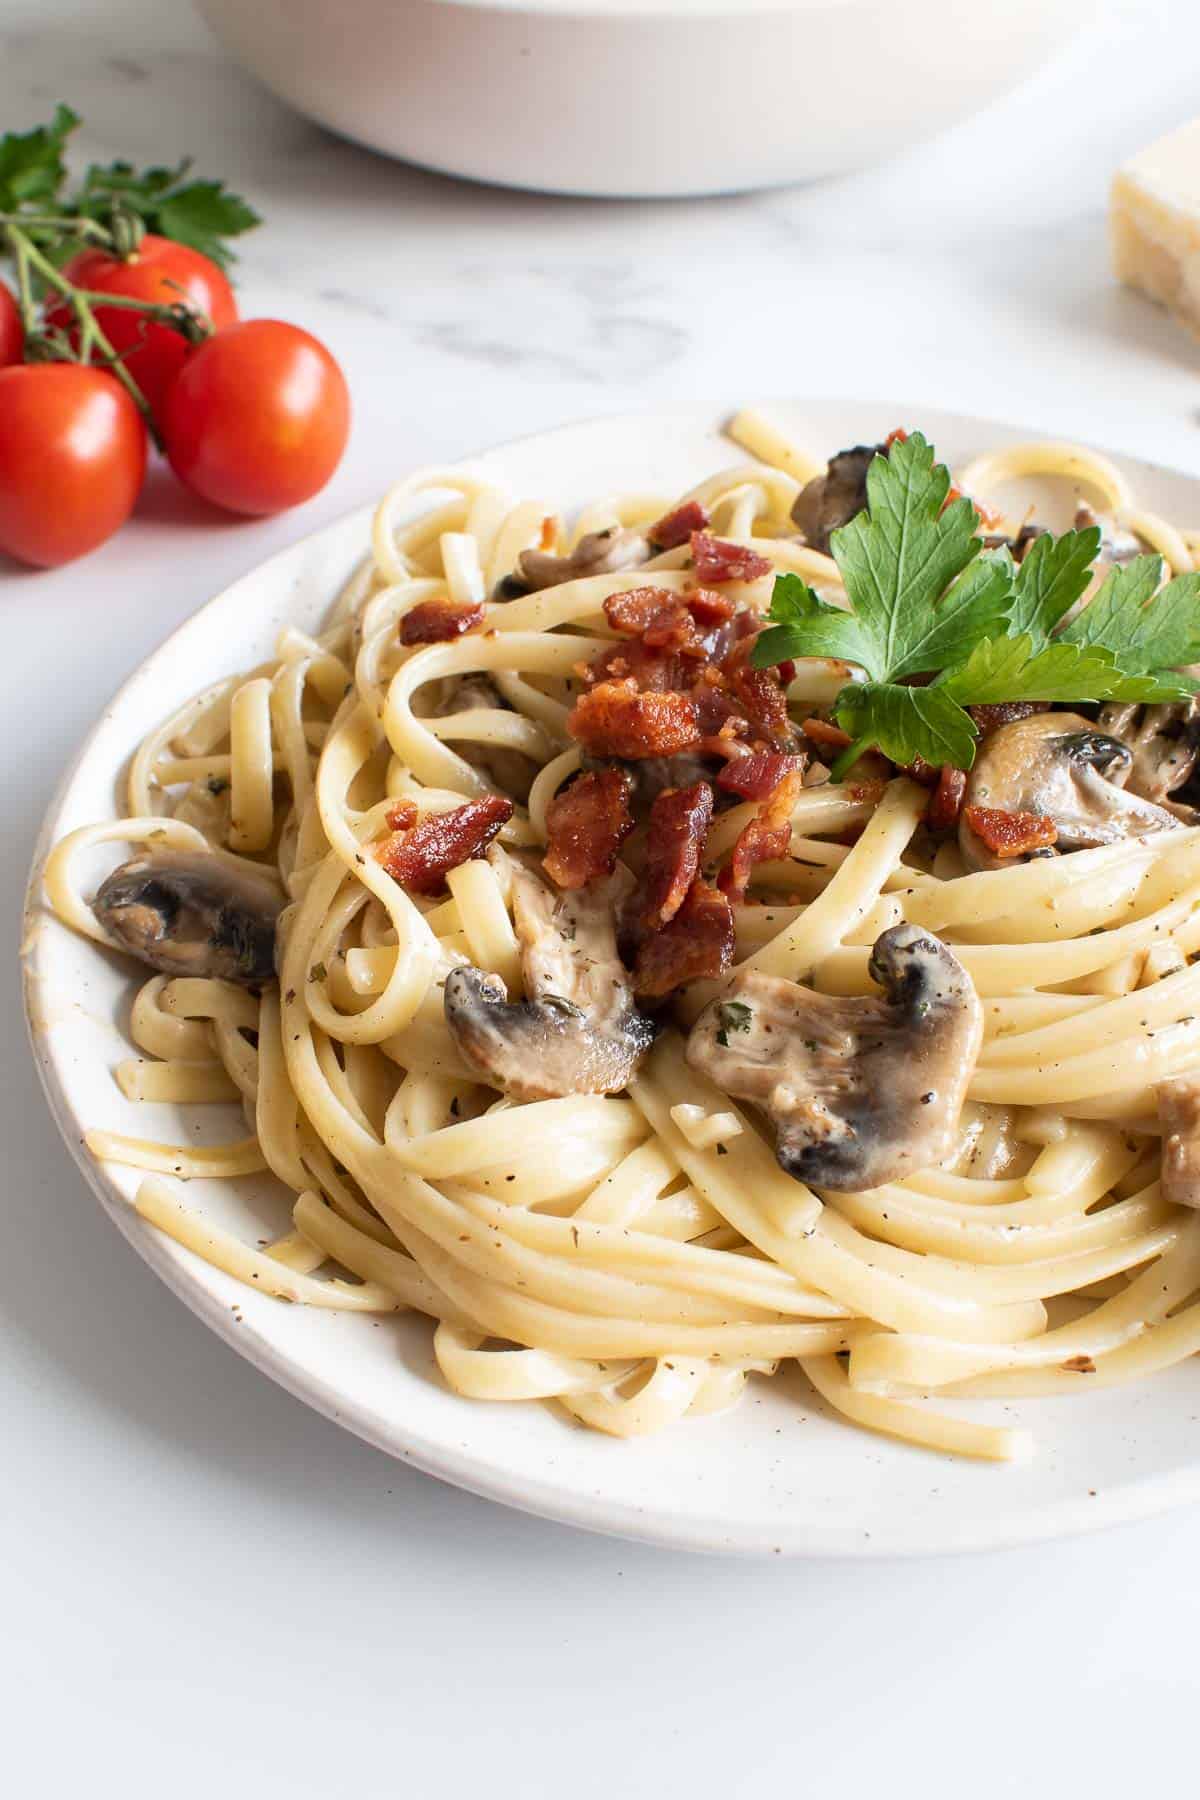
x=402 y=815
x=697 y=944
x=679 y=821
x=586 y=825
x=767 y=836
x=420 y=856
x=1008 y=834
x=1006 y=712
x=436 y=621
x=708 y=607
x=659 y=618
x=614 y=719
x=717 y=560
x=899 y=436
x=675 y=528
x=947 y=800
x=829 y=736
x=759 y=694
x=755 y=774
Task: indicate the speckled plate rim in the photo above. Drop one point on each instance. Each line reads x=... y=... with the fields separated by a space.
x=443 y=1453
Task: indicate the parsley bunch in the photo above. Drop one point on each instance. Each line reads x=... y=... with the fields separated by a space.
x=112 y=203
x=929 y=605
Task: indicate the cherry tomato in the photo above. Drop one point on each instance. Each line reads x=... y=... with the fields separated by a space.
x=72 y=458
x=164 y=273
x=12 y=332
x=258 y=417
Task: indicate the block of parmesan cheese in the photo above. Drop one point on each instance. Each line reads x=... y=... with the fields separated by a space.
x=1154 y=216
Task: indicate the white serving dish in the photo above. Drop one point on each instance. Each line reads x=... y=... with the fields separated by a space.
x=779 y=1472
x=641 y=97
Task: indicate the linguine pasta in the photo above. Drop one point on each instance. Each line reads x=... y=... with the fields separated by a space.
x=635 y=1256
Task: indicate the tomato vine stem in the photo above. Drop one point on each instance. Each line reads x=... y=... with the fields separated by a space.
x=94 y=345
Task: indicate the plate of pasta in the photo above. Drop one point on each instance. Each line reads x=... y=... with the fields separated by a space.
x=653 y=976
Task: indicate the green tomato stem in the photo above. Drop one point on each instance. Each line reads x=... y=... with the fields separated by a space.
x=82 y=302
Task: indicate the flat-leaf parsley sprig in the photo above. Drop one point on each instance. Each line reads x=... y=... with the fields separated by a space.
x=929 y=605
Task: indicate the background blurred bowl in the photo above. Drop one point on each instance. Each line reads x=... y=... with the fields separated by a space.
x=640 y=97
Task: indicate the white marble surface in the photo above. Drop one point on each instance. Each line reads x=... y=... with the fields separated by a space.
x=207 y=1588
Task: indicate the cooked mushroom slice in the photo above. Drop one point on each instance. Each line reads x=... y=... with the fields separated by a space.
x=833 y=499
x=1020 y=545
x=605 y=552
x=186 y=913
x=577 y=1031
x=1116 y=544
x=1165 y=741
x=1057 y=766
x=859 y=1091
x=1179 y=1114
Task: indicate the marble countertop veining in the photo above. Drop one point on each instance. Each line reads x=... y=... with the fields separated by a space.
x=191 y=1558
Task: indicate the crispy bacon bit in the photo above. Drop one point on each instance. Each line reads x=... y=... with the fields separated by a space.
x=679 y=821
x=827 y=735
x=420 y=856
x=947 y=800
x=991 y=718
x=757 y=773
x=899 y=436
x=436 y=621
x=615 y=719
x=766 y=837
x=758 y=694
x=717 y=560
x=696 y=945
x=709 y=608
x=1079 y=1365
x=586 y=825
x=402 y=815
x=675 y=528
x=659 y=618
x=1008 y=834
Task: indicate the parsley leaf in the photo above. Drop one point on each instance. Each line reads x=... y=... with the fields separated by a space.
x=34 y=180
x=907 y=722
x=926 y=599
x=1001 y=669
x=1143 y=629
x=1053 y=576
x=32 y=169
x=898 y=558
x=799 y=615
x=922 y=595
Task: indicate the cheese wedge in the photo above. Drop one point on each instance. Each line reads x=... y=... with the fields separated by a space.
x=1154 y=220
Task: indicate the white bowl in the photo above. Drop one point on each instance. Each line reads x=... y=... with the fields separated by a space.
x=779 y=1472
x=640 y=97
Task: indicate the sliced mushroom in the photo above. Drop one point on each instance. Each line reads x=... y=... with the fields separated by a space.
x=185 y=913
x=1116 y=544
x=1179 y=1114
x=605 y=552
x=859 y=1091
x=577 y=1031
x=833 y=499
x=1058 y=766
x=1164 y=740
x=1020 y=545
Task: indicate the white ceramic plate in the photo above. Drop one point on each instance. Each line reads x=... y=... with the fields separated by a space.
x=779 y=1473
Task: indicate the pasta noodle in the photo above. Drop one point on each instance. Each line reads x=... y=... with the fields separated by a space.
x=637 y=1256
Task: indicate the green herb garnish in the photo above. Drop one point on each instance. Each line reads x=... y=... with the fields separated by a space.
x=35 y=189
x=927 y=601
x=734 y=1015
